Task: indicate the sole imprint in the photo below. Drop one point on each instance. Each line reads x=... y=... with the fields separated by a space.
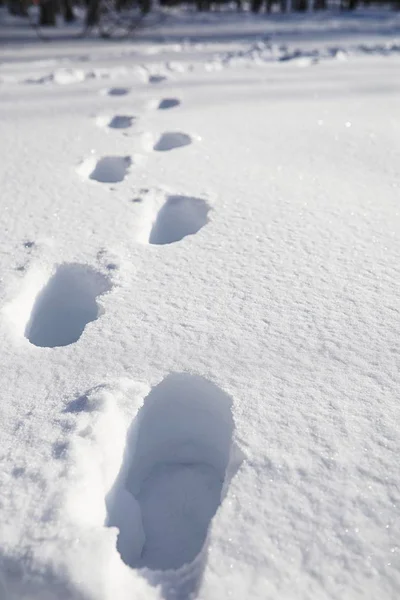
x=157 y=78
x=166 y=103
x=117 y=91
x=121 y=122
x=116 y=122
x=172 y=140
x=108 y=169
x=174 y=475
x=180 y=216
x=65 y=306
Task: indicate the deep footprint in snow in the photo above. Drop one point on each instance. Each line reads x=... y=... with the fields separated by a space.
x=157 y=78
x=118 y=91
x=121 y=122
x=168 y=103
x=116 y=122
x=171 y=483
x=172 y=140
x=108 y=169
x=180 y=216
x=111 y=169
x=66 y=305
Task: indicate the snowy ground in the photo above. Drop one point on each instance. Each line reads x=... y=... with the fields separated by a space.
x=199 y=317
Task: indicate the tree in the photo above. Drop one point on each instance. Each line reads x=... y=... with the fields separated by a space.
x=67 y=11
x=48 y=11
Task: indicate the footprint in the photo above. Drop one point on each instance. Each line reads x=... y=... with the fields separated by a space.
x=171 y=140
x=121 y=122
x=178 y=463
x=117 y=91
x=116 y=122
x=109 y=169
x=168 y=103
x=180 y=216
x=66 y=305
x=157 y=78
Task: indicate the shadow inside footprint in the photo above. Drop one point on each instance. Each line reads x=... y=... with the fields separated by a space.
x=174 y=476
x=171 y=140
x=111 y=169
x=157 y=78
x=121 y=122
x=168 y=103
x=65 y=306
x=118 y=91
x=180 y=216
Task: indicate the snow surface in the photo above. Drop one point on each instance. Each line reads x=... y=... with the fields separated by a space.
x=200 y=346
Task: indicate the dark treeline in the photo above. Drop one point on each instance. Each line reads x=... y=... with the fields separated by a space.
x=50 y=8
x=284 y=6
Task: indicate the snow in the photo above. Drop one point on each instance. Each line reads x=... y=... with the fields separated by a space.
x=200 y=345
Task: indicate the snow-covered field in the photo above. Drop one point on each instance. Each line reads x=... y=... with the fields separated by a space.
x=199 y=311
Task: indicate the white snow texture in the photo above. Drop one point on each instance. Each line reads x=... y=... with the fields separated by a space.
x=199 y=309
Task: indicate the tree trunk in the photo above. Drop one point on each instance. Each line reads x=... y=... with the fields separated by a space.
x=68 y=12
x=92 y=14
x=145 y=6
x=256 y=5
x=17 y=7
x=48 y=13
